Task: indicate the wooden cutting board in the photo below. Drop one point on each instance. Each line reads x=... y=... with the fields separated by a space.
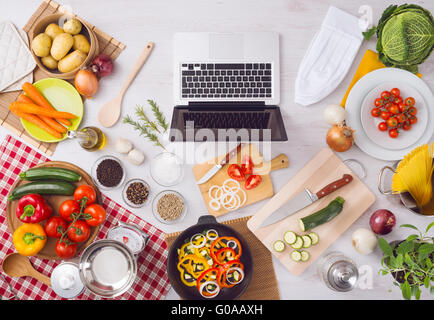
x=323 y=169
x=263 y=191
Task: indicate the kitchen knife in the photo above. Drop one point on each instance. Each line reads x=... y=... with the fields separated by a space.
x=304 y=199
x=211 y=172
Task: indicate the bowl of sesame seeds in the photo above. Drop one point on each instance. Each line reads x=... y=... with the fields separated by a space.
x=169 y=207
x=136 y=193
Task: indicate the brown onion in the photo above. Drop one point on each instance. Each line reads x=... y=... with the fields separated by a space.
x=340 y=138
x=86 y=83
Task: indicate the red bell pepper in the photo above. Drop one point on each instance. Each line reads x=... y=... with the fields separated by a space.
x=33 y=208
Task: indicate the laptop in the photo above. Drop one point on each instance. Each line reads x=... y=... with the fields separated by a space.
x=227 y=87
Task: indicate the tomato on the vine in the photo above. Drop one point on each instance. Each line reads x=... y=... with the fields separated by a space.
x=78 y=231
x=65 y=249
x=392 y=122
x=412 y=120
x=67 y=208
x=385 y=115
x=412 y=111
x=375 y=112
x=55 y=226
x=382 y=126
x=85 y=191
x=378 y=102
x=397 y=100
x=401 y=118
x=402 y=107
x=406 y=126
x=410 y=101
x=393 y=133
x=394 y=109
x=396 y=92
x=94 y=215
x=385 y=95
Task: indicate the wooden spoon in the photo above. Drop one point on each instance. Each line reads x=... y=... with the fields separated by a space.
x=109 y=113
x=16 y=265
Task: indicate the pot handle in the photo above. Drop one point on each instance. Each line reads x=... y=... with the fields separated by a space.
x=380 y=180
x=206 y=219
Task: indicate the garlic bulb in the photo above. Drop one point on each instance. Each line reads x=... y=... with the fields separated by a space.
x=334 y=114
x=123 y=145
x=136 y=157
x=364 y=241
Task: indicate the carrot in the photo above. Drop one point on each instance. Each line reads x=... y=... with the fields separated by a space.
x=35 y=120
x=39 y=99
x=49 y=121
x=35 y=109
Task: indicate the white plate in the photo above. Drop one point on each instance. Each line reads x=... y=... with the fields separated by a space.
x=358 y=94
x=405 y=138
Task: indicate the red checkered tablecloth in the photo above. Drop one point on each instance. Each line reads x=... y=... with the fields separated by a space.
x=152 y=282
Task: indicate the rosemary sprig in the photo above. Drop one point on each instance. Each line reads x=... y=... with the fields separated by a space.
x=143 y=131
x=158 y=115
x=148 y=123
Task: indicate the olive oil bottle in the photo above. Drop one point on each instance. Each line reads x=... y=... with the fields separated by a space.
x=89 y=138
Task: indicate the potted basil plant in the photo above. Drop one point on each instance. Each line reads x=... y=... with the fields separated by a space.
x=410 y=262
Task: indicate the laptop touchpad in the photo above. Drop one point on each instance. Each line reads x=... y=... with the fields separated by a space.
x=226 y=46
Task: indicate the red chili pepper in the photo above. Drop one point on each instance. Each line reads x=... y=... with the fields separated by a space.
x=33 y=208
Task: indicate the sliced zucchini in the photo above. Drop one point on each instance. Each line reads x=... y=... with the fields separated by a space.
x=307 y=241
x=298 y=244
x=289 y=237
x=279 y=246
x=296 y=255
x=304 y=256
x=314 y=237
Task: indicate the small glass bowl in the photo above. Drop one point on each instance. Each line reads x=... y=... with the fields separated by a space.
x=155 y=203
x=95 y=177
x=124 y=193
x=159 y=158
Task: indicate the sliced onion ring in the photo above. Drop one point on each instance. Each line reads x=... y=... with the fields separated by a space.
x=200 y=245
x=235 y=269
x=219 y=189
x=229 y=244
x=213 y=293
x=212 y=238
x=231 y=189
x=214 y=204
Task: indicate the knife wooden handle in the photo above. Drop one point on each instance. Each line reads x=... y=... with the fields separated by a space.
x=279 y=162
x=346 y=179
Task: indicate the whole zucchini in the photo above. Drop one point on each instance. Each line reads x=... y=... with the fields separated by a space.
x=322 y=216
x=50 y=173
x=43 y=187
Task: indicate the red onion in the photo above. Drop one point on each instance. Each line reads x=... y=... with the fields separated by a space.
x=382 y=221
x=102 y=65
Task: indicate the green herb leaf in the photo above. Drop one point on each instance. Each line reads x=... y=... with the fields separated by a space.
x=369 y=33
x=408 y=226
x=412 y=237
x=405 y=246
x=385 y=247
x=426 y=248
x=426 y=282
x=158 y=115
x=406 y=290
x=429 y=227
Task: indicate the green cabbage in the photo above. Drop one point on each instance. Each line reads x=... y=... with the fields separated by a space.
x=405 y=36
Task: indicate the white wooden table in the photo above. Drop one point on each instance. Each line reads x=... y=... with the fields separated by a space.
x=135 y=22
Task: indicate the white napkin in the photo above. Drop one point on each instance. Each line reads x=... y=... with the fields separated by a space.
x=328 y=58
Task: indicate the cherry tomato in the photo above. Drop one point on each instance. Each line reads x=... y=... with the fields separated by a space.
x=412 y=120
x=65 y=249
x=406 y=126
x=397 y=100
x=376 y=112
x=410 y=101
x=387 y=106
x=385 y=95
x=247 y=165
x=385 y=115
x=55 y=226
x=235 y=172
x=393 y=133
x=378 y=102
x=401 y=118
x=94 y=215
x=402 y=107
x=392 y=122
x=412 y=111
x=79 y=231
x=382 y=126
x=67 y=208
x=394 y=109
x=85 y=191
x=253 y=181
x=396 y=92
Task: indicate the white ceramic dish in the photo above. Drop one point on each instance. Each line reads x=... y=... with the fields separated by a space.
x=405 y=138
x=358 y=94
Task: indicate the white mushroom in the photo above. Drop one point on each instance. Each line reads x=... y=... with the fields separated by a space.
x=123 y=145
x=136 y=157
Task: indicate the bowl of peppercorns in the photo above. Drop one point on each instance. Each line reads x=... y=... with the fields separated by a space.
x=136 y=193
x=108 y=172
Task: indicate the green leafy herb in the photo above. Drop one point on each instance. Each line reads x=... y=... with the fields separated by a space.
x=143 y=131
x=158 y=115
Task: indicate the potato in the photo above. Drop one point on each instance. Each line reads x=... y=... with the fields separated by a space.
x=53 y=30
x=81 y=43
x=61 y=45
x=49 y=62
x=71 y=61
x=72 y=26
x=41 y=45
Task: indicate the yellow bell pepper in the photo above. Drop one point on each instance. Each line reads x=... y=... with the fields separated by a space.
x=29 y=239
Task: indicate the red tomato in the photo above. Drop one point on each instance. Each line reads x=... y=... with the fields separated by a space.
x=67 y=208
x=385 y=115
x=402 y=107
x=235 y=172
x=85 y=192
x=394 y=109
x=94 y=215
x=382 y=126
x=247 y=165
x=393 y=133
x=378 y=102
x=55 y=226
x=412 y=120
x=79 y=231
x=401 y=118
x=396 y=92
x=376 y=112
x=392 y=122
x=65 y=249
x=385 y=95
x=412 y=111
x=406 y=126
x=397 y=100
x=410 y=101
x=252 y=181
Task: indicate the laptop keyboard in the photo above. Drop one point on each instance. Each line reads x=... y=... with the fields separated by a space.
x=226 y=120
x=227 y=80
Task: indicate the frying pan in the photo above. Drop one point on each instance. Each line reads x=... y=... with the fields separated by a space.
x=207 y=222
